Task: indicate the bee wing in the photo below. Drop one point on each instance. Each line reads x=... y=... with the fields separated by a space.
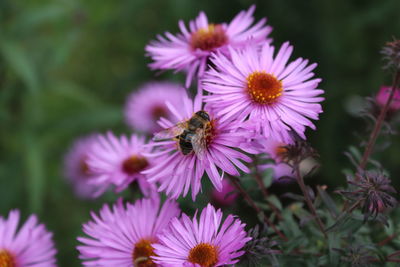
x=170 y=132
x=199 y=143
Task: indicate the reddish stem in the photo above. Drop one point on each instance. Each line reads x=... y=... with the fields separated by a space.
x=300 y=181
x=378 y=125
x=265 y=191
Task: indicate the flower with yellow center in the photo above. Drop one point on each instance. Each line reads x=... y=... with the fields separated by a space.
x=206 y=242
x=126 y=232
x=190 y=49
x=272 y=96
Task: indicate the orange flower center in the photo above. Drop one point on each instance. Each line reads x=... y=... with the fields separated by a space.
x=142 y=252
x=263 y=88
x=207 y=39
x=6 y=259
x=134 y=164
x=204 y=254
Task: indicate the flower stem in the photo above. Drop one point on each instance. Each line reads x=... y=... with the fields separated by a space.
x=264 y=190
x=255 y=207
x=378 y=125
x=300 y=181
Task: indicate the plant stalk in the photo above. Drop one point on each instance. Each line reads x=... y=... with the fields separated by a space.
x=300 y=181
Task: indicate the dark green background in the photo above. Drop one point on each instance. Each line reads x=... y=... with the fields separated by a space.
x=67 y=66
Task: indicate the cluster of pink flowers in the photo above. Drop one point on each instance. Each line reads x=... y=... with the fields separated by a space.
x=248 y=100
x=148 y=233
x=246 y=91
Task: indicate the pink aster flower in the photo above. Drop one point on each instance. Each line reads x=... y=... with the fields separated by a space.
x=147 y=105
x=204 y=242
x=125 y=235
x=226 y=197
x=76 y=169
x=118 y=162
x=383 y=96
x=31 y=245
x=178 y=170
x=190 y=49
x=274 y=96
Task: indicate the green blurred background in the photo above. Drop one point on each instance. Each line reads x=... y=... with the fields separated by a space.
x=66 y=67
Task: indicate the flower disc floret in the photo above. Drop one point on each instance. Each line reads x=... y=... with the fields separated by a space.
x=263 y=88
x=204 y=254
x=209 y=38
x=6 y=259
x=142 y=254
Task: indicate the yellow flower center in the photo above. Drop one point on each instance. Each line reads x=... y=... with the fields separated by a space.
x=142 y=252
x=204 y=254
x=6 y=259
x=207 y=39
x=134 y=164
x=263 y=88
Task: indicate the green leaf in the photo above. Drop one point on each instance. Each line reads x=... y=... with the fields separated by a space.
x=273 y=260
x=289 y=226
x=35 y=173
x=275 y=200
x=333 y=242
x=267 y=177
x=18 y=60
x=344 y=217
x=355 y=152
x=328 y=201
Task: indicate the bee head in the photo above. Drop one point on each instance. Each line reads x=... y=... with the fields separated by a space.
x=203 y=115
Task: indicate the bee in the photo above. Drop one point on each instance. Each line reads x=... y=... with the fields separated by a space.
x=191 y=135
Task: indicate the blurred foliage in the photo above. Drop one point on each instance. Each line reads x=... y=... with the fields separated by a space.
x=66 y=67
